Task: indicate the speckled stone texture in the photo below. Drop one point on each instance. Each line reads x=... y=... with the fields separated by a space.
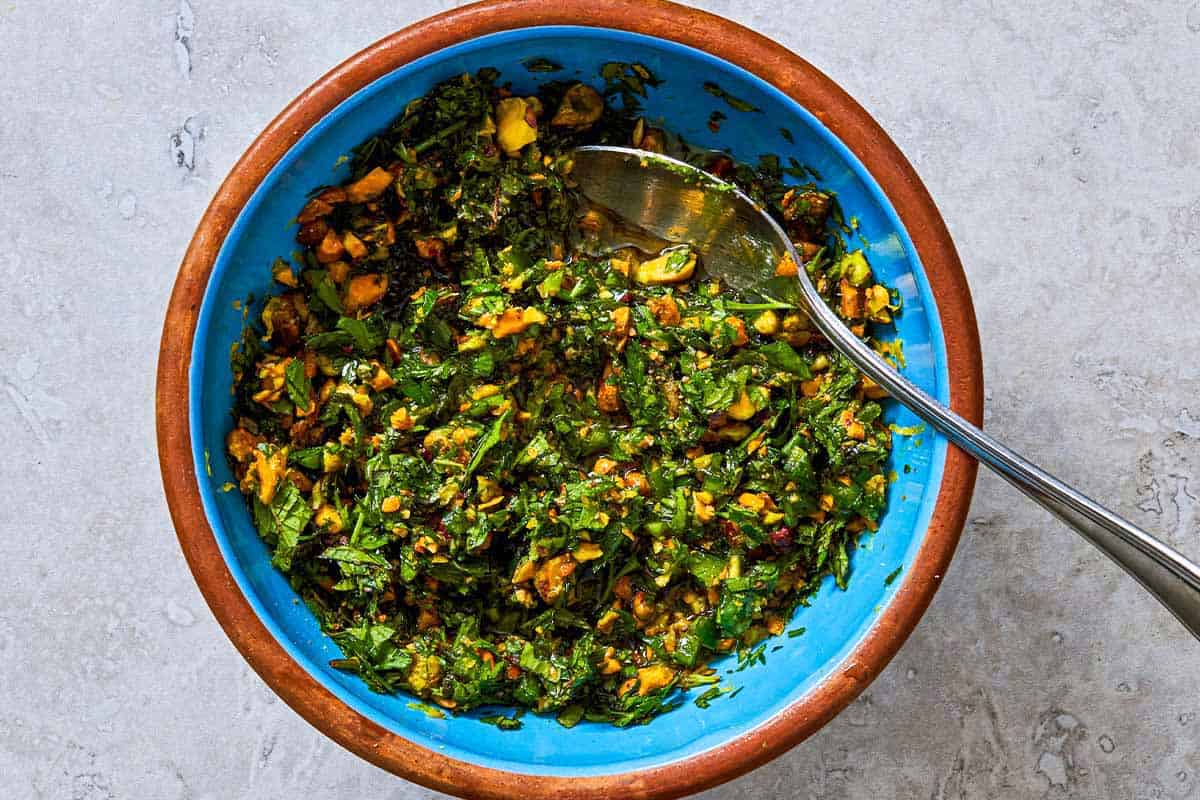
x=1063 y=147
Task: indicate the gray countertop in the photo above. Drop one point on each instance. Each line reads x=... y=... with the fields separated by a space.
x=1063 y=148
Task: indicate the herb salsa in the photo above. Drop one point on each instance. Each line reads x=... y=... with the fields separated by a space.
x=503 y=472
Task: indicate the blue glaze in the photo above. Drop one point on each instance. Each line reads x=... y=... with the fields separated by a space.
x=835 y=622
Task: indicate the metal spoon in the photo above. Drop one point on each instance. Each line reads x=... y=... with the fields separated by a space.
x=741 y=244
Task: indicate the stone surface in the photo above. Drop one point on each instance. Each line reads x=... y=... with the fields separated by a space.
x=1063 y=147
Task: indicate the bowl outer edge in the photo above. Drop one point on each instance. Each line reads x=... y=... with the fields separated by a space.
x=724 y=39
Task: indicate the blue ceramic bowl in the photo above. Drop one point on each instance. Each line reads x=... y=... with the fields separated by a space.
x=837 y=623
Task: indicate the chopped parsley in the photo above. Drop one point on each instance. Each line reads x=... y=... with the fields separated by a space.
x=737 y=104
x=503 y=472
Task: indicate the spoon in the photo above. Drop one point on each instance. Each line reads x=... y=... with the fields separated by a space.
x=738 y=242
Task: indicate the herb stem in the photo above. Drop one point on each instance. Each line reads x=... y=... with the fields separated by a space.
x=774 y=305
x=444 y=133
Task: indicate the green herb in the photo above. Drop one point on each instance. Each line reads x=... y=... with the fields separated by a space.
x=794 y=632
x=541 y=65
x=298 y=386
x=907 y=430
x=325 y=291
x=429 y=711
x=570 y=716
x=285 y=521
x=489 y=441
x=751 y=656
x=893 y=575
x=712 y=693
x=733 y=102
x=502 y=722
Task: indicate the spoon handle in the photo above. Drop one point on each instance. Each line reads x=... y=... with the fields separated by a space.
x=1162 y=570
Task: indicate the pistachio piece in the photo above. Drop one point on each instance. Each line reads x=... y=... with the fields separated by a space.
x=581 y=106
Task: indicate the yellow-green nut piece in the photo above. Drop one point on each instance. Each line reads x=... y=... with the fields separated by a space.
x=855 y=268
x=581 y=106
x=513 y=130
x=673 y=267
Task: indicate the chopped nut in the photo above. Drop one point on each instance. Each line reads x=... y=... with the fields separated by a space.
x=330 y=249
x=524 y=571
x=654 y=677
x=338 y=272
x=754 y=502
x=855 y=268
x=382 y=380
x=786 y=268
x=269 y=470
x=854 y=428
x=485 y=391
x=369 y=186
x=281 y=271
x=812 y=387
x=365 y=291
x=606 y=621
x=767 y=323
x=664 y=309
x=851 y=305
x=581 y=106
x=878 y=299
x=516 y=320
x=734 y=432
x=742 y=408
x=675 y=266
x=550 y=579
x=354 y=246
x=313 y=210
x=328 y=518
x=513 y=127
x=240 y=444
x=608 y=396
x=872 y=390
x=588 y=551
x=643 y=608
x=331 y=461
x=401 y=420
x=604 y=466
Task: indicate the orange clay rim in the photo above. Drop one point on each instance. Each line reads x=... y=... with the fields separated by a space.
x=735 y=44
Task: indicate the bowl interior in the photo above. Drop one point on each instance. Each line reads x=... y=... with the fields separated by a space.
x=835 y=622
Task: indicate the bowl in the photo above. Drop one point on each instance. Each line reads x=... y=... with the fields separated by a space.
x=850 y=635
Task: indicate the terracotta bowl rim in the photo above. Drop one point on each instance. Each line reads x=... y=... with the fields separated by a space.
x=665 y=20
